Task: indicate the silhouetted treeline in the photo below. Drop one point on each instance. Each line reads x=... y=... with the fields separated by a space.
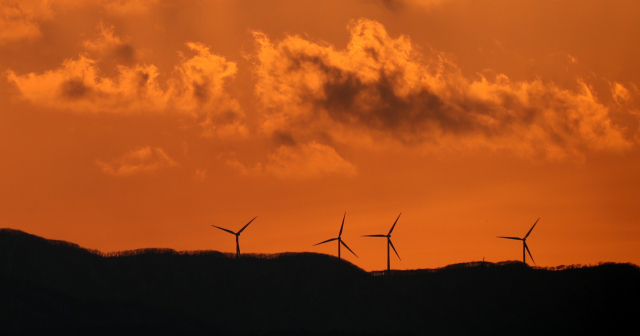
x=49 y=287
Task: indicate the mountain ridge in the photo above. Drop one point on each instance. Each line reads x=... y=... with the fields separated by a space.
x=209 y=292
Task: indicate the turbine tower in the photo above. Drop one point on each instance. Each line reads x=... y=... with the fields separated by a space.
x=237 y=234
x=339 y=239
x=524 y=243
x=389 y=243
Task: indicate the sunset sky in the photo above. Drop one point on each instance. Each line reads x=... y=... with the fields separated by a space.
x=135 y=124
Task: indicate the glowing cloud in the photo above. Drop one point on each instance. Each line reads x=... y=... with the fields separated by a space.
x=139 y=160
x=620 y=93
x=198 y=89
x=382 y=87
x=78 y=86
x=107 y=44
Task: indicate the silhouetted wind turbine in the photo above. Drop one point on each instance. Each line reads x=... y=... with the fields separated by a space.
x=524 y=243
x=237 y=235
x=339 y=239
x=389 y=243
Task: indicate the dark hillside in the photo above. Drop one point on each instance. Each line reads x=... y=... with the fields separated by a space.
x=59 y=287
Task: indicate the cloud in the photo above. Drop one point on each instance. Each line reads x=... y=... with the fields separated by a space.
x=129 y=7
x=620 y=93
x=383 y=87
x=107 y=44
x=197 y=86
x=236 y=165
x=20 y=19
x=80 y=85
x=139 y=160
x=308 y=161
x=77 y=85
x=200 y=175
x=199 y=89
x=304 y=161
x=397 y=5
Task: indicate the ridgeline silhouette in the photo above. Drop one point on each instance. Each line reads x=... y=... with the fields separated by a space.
x=55 y=287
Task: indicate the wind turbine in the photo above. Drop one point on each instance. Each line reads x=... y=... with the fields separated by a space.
x=237 y=235
x=339 y=239
x=389 y=243
x=524 y=243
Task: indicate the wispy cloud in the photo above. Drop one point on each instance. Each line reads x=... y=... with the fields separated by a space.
x=310 y=160
x=200 y=175
x=109 y=45
x=129 y=7
x=140 y=160
x=620 y=93
x=20 y=19
x=304 y=161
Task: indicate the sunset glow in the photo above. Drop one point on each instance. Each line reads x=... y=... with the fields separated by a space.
x=142 y=123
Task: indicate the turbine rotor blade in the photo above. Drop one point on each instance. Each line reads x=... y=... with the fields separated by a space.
x=534 y=225
x=345 y=245
x=223 y=229
x=394 y=249
x=394 y=225
x=379 y=235
x=527 y=248
x=244 y=227
x=514 y=238
x=326 y=241
x=340 y=234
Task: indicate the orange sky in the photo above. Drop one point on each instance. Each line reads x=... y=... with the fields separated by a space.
x=132 y=124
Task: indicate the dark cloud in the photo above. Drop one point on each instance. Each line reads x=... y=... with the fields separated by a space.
x=227 y=117
x=349 y=100
x=376 y=105
x=283 y=138
x=143 y=79
x=393 y=5
x=124 y=54
x=74 y=89
x=201 y=90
